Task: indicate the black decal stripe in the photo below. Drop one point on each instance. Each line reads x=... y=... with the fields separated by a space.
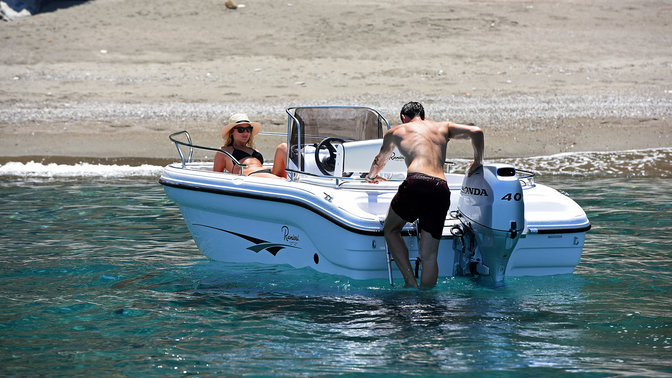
x=563 y=230
x=261 y=245
x=274 y=250
x=246 y=237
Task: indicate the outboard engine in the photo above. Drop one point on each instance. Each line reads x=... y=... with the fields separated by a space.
x=491 y=208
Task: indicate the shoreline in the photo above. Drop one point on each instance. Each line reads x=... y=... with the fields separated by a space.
x=515 y=126
x=162 y=162
x=154 y=147
x=149 y=141
x=653 y=162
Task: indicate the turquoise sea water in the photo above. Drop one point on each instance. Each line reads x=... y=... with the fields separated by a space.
x=99 y=275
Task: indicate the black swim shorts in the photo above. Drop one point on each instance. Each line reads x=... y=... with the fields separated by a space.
x=423 y=197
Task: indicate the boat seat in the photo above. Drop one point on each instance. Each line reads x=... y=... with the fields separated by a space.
x=355 y=158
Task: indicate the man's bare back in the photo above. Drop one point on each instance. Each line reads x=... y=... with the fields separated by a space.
x=423 y=144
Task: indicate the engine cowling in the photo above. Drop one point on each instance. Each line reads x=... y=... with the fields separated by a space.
x=491 y=205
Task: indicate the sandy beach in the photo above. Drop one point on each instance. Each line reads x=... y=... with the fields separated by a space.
x=110 y=79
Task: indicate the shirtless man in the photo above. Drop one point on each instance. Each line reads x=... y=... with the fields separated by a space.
x=424 y=194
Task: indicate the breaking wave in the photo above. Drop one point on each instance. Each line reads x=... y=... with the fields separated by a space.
x=655 y=162
x=633 y=163
x=53 y=170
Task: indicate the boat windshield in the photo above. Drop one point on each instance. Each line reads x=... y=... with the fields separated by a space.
x=311 y=126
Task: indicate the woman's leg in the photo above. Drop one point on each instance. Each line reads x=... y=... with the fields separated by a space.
x=280 y=160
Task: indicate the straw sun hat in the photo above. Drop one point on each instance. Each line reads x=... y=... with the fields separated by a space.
x=240 y=119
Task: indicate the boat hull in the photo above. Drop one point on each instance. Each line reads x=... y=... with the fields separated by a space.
x=546 y=254
x=241 y=227
x=338 y=230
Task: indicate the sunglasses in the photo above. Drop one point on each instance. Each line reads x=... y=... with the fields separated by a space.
x=246 y=129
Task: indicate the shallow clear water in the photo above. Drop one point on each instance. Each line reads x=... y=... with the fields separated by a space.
x=100 y=275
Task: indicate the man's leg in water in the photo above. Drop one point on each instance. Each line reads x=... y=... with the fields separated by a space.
x=392 y=230
x=429 y=248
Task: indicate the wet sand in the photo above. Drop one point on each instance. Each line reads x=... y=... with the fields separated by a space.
x=109 y=80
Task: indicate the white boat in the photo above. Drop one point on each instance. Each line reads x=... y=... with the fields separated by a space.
x=325 y=215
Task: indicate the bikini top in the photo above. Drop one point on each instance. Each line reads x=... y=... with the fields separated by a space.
x=240 y=155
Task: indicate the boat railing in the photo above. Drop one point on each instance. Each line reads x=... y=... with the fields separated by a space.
x=191 y=146
x=527 y=177
x=356 y=176
x=339 y=181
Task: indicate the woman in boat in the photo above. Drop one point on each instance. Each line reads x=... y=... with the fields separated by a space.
x=238 y=137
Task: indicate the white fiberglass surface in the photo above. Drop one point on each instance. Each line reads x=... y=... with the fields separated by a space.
x=545 y=206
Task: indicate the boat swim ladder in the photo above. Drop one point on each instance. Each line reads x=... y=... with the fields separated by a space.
x=415 y=260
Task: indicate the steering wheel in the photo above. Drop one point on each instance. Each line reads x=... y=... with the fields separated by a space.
x=328 y=164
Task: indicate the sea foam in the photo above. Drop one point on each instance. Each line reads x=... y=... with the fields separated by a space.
x=656 y=162
x=52 y=170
